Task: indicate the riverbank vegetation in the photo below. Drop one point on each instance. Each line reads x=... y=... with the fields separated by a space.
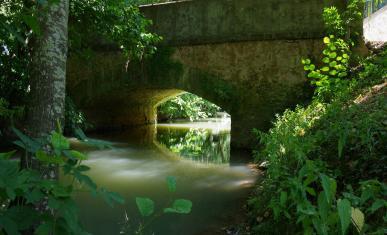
x=187 y=106
x=35 y=39
x=326 y=162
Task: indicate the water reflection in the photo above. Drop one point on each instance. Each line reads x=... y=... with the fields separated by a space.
x=216 y=189
x=205 y=141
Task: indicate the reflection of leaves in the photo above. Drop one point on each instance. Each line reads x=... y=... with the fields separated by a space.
x=145 y=206
x=196 y=144
x=180 y=206
x=171 y=181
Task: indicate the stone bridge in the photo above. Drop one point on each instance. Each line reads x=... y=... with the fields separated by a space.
x=243 y=55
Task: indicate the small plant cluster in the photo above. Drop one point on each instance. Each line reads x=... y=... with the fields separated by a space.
x=146 y=207
x=326 y=162
x=329 y=78
x=34 y=203
x=333 y=72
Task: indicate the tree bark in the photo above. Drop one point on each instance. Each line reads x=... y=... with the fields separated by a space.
x=48 y=70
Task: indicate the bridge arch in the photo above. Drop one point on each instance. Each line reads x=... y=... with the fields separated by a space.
x=253 y=72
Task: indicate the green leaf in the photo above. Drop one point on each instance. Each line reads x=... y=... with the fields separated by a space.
x=333 y=72
x=357 y=219
x=171 y=182
x=325 y=69
x=311 y=191
x=9 y=226
x=327 y=40
x=332 y=55
x=11 y=193
x=59 y=191
x=44 y=229
x=83 y=168
x=379 y=203
x=180 y=206
x=59 y=142
x=26 y=142
x=112 y=197
x=78 y=155
x=329 y=186
x=34 y=196
x=326 y=60
x=32 y=22
x=283 y=198
x=323 y=206
x=306 y=61
x=145 y=206
x=84 y=179
x=44 y=158
x=344 y=209
x=7 y=155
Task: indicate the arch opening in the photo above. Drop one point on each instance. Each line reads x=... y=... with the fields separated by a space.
x=193 y=128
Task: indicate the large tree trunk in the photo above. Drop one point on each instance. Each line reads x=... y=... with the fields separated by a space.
x=48 y=77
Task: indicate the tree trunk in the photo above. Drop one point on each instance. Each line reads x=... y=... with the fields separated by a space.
x=48 y=77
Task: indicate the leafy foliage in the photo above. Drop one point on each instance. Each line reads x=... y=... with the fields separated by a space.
x=326 y=171
x=23 y=190
x=187 y=106
x=198 y=145
x=116 y=23
x=343 y=32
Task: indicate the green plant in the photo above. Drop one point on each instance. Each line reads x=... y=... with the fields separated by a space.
x=326 y=166
x=344 y=31
x=146 y=208
x=23 y=190
x=330 y=77
x=188 y=106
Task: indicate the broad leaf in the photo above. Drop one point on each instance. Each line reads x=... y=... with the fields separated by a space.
x=379 y=203
x=32 y=22
x=357 y=219
x=78 y=155
x=180 y=206
x=26 y=142
x=145 y=206
x=344 y=209
x=329 y=187
x=59 y=142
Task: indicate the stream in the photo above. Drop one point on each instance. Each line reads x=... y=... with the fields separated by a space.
x=197 y=154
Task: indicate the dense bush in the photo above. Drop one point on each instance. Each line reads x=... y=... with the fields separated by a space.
x=327 y=161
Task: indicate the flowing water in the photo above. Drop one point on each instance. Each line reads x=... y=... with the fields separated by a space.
x=197 y=154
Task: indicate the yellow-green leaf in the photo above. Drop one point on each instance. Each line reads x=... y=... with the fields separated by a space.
x=357 y=219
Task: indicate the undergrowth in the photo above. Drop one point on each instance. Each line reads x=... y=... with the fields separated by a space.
x=326 y=162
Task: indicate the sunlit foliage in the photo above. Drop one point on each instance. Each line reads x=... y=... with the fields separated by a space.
x=187 y=106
